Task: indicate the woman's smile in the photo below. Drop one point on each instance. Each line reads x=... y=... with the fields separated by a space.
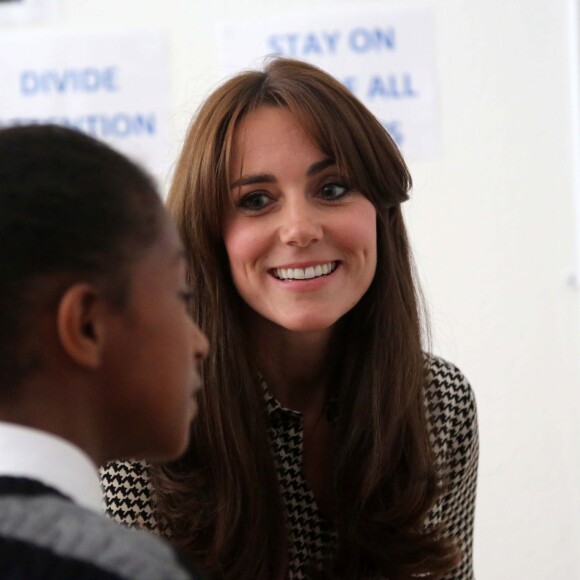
x=305 y=272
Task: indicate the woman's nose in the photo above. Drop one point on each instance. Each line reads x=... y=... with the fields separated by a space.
x=300 y=225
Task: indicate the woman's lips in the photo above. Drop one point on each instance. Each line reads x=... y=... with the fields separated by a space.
x=309 y=272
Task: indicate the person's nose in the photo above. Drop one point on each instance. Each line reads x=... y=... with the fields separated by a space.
x=200 y=343
x=300 y=224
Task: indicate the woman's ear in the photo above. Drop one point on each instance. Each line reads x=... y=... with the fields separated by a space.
x=81 y=324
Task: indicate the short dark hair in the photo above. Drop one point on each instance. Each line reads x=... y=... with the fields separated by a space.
x=71 y=208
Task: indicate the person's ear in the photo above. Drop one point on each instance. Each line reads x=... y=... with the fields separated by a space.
x=80 y=324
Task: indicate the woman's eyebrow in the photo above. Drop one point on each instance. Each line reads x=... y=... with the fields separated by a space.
x=252 y=179
x=319 y=166
x=269 y=178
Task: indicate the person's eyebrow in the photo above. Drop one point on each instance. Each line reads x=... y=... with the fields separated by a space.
x=319 y=166
x=253 y=179
x=269 y=178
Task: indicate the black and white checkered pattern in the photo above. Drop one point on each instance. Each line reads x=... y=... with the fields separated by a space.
x=453 y=429
x=310 y=538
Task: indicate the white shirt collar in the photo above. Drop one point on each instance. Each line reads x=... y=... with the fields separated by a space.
x=27 y=452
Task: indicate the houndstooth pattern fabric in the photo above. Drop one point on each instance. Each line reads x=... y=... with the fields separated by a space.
x=453 y=430
x=452 y=420
x=127 y=493
x=310 y=538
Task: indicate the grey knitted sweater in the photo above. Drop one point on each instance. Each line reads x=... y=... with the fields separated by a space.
x=44 y=535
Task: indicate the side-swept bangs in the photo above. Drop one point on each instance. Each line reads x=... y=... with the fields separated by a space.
x=335 y=120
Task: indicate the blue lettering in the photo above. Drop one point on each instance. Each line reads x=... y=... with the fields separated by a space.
x=87 y=80
x=294 y=44
x=60 y=84
x=391 y=87
x=377 y=88
x=385 y=38
x=91 y=80
x=123 y=125
x=145 y=124
x=92 y=124
x=274 y=46
x=28 y=83
x=311 y=45
x=119 y=126
x=331 y=39
x=110 y=80
x=358 y=40
x=362 y=40
x=408 y=89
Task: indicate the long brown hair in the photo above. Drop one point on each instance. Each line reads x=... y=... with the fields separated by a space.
x=221 y=500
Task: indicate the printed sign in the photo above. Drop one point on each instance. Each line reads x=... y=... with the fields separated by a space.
x=19 y=11
x=113 y=86
x=385 y=56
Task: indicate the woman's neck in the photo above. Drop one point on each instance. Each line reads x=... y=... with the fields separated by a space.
x=295 y=365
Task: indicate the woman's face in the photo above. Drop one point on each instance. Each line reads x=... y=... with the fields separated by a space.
x=301 y=243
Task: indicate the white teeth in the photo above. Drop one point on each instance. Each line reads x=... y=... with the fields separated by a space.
x=304 y=273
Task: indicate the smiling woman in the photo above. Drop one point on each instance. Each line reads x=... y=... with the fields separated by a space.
x=291 y=213
x=328 y=443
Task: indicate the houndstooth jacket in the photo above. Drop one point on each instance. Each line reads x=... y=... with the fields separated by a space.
x=452 y=422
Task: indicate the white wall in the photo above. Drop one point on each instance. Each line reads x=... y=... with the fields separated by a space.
x=492 y=222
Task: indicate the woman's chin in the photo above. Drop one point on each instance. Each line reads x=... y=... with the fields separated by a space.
x=308 y=324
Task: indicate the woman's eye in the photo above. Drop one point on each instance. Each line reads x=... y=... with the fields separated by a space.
x=333 y=191
x=254 y=201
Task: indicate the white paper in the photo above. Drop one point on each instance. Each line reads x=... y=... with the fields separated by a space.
x=385 y=55
x=113 y=86
x=20 y=11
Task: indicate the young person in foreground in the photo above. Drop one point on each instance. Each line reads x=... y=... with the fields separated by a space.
x=328 y=443
x=98 y=354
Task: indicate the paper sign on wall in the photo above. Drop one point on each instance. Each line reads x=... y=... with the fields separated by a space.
x=113 y=86
x=385 y=56
x=19 y=11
